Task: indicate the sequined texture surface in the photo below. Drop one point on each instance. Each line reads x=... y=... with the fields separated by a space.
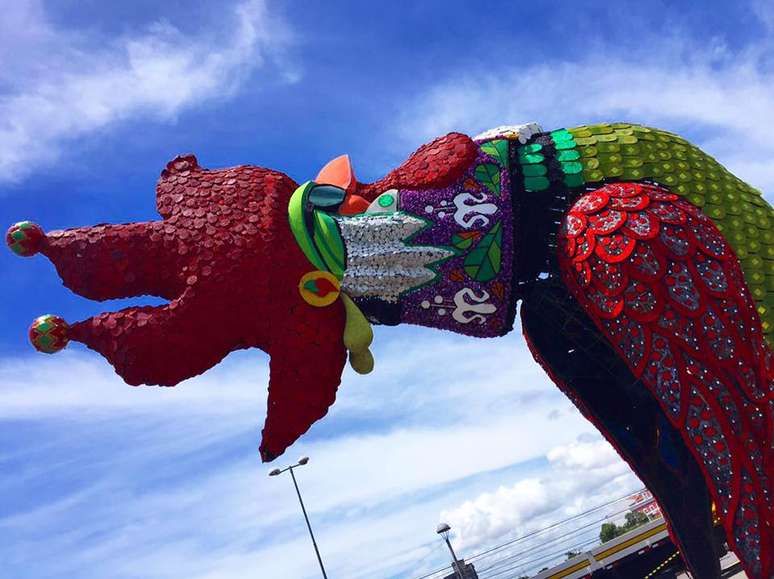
x=594 y=154
x=382 y=262
x=473 y=218
x=435 y=165
x=224 y=257
x=666 y=289
x=455 y=271
x=670 y=255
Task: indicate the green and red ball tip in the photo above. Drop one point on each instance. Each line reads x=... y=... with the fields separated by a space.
x=48 y=333
x=25 y=238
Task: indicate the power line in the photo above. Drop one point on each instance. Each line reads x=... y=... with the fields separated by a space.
x=535 y=533
x=544 y=546
x=435 y=572
x=582 y=531
x=560 y=538
x=549 y=527
x=539 y=560
x=437 y=546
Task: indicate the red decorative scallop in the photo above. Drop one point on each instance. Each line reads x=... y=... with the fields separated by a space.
x=667 y=213
x=606 y=222
x=615 y=247
x=591 y=202
x=635 y=203
x=642 y=225
x=623 y=190
x=686 y=325
x=574 y=224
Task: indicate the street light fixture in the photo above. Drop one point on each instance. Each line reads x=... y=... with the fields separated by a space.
x=444 y=529
x=301 y=462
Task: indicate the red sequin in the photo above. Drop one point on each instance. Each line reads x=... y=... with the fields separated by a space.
x=432 y=166
x=574 y=224
x=226 y=260
x=591 y=202
x=634 y=203
x=687 y=327
x=642 y=225
x=606 y=222
x=667 y=213
x=615 y=247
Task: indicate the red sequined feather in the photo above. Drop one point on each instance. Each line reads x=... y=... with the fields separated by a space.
x=665 y=288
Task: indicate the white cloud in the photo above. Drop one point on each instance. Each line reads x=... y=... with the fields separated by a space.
x=584 y=455
x=159 y=483
x=719 y=97
x=461 y=415
x=57 y=85
x=722 y=99
x=582 y=474
x=162 y=465
x=82 y=385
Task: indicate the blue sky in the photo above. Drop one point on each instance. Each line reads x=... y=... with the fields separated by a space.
x=102 y=480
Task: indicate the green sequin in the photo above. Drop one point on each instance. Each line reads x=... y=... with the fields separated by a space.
x=572 y=167
x=386 y=200
x=564 y=145
x=568 y=155
x=530 y=159
x=561 y=135
x=533 y=148
x=620 y=151
x=536 y=183
x=631 y=152
x=591 y=154
x=534 y=170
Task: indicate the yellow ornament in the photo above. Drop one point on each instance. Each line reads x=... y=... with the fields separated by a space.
x=358 y=334
x=319 y=288
x=362 y=362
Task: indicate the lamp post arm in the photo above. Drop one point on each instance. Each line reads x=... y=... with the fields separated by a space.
x=308 y=525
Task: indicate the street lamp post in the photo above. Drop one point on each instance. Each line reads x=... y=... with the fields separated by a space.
x=301 y=462
x=443 y=530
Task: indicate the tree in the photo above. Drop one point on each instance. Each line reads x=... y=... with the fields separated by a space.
x=610 y=531
x=634 y=520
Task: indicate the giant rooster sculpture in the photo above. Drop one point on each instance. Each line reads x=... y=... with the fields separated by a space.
x=645 y=272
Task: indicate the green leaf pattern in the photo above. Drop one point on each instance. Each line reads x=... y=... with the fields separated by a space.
x=465 y=239
x=498 y=150
x=484 y=261
x=488 y=174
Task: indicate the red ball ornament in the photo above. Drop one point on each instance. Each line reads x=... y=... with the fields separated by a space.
x=48 y=334
x=25 y=238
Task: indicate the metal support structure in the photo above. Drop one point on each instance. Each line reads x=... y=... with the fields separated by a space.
x=276 y=472
x=456 y=562
x=443 y=530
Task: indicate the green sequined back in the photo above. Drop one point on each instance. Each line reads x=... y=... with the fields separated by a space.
x=591 y=154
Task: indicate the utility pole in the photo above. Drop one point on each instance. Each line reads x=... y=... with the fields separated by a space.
x=443 y=530
x=302 y=461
